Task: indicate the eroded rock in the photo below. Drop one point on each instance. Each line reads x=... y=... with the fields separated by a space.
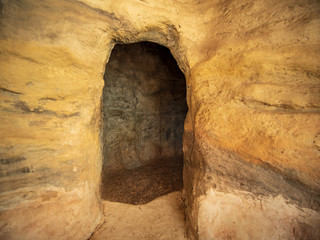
x=251 y=132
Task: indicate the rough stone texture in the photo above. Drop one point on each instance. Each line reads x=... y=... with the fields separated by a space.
x=236 y=216
x=144 y=106
x=251 y=139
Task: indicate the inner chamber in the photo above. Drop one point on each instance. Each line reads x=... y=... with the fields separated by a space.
x=143 y=112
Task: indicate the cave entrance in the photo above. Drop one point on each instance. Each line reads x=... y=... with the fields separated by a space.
x=143 y=112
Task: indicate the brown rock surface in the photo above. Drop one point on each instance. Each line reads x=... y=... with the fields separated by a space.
x=251 y=138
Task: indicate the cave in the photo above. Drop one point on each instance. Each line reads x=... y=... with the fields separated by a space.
x=143 y=111
x=157 y=119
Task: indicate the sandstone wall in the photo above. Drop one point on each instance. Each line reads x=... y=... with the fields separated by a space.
x=144 y=106
x=51 y=82
x=251 y=140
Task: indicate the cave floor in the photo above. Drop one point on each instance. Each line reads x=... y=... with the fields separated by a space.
x=142 y=185
x=143 y=203
x=161 y=218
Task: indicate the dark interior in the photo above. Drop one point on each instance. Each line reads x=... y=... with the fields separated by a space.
x=143 y=112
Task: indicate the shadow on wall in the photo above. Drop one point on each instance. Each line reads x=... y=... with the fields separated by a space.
x=144 y=107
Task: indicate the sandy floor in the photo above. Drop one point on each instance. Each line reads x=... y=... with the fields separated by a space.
x=161 y=218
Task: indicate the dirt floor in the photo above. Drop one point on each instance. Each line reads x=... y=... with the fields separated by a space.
x=143 y=184
x=160 y=219
x=143 y=203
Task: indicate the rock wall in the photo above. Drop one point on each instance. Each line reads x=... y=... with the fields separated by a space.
x=251 y=137
x=144 y=106
x=51 y=83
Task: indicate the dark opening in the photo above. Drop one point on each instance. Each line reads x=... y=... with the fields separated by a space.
x=143 y=112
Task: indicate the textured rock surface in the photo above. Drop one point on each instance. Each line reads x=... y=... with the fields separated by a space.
x=144 y=106
x=251 y=139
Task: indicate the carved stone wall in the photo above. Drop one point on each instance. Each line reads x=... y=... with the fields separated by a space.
x=144 y=106
x=251 y=136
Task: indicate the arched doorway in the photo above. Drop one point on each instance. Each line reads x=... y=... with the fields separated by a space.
x=143 y=112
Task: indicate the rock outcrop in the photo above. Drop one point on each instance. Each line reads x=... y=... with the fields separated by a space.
x=251 y=136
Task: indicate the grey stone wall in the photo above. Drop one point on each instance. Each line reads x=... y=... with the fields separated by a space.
x=144 y=106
